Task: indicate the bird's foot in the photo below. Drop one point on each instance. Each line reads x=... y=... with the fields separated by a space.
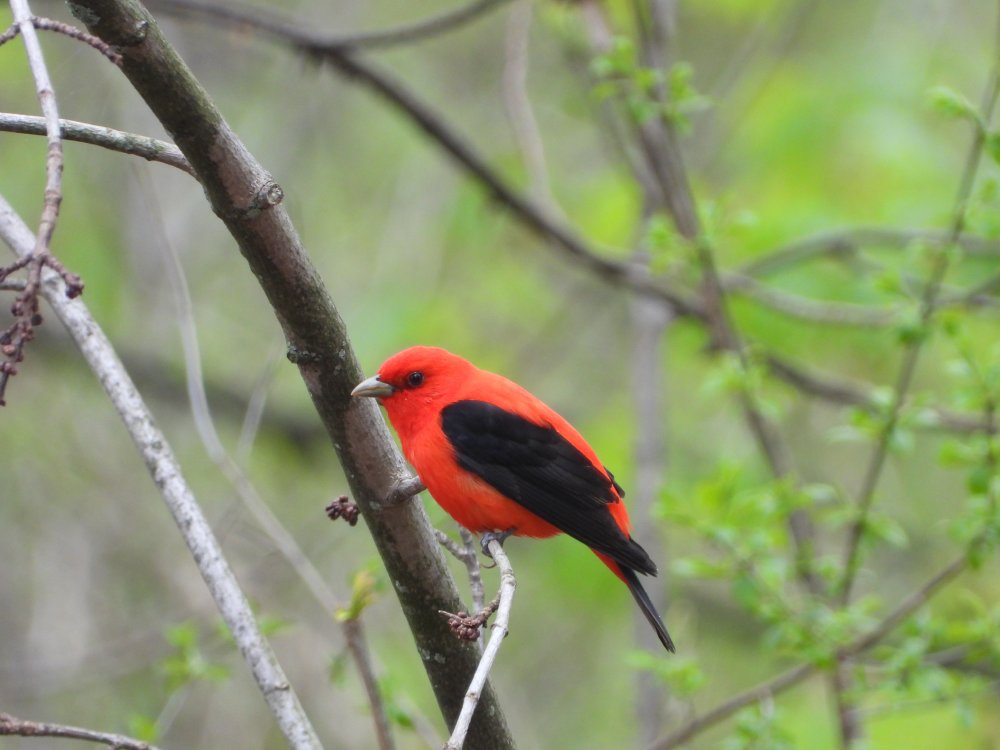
x=494 y=536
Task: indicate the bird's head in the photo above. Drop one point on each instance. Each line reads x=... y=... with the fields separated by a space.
x=415 y=383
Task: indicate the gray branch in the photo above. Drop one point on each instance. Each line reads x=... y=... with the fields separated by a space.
x=148 y=148
x=166 y=473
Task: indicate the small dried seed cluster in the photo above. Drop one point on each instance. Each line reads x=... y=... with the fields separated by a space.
x=342 y=507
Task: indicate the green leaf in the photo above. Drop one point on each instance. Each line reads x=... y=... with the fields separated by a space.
x=362 y=594
x=143 y=728
x=336 y=671
x=693 y=567
x=949 y=102
x=887 y=529
x=992 y=145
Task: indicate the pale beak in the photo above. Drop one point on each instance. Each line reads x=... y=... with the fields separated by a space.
x=373 y=388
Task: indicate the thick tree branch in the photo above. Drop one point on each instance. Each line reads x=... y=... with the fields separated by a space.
x=166 y=473
x=248 y=200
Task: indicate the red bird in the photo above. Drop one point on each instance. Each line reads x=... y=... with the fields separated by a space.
x=501 y=462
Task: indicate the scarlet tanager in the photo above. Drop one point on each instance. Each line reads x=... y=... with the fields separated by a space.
x=501 y=462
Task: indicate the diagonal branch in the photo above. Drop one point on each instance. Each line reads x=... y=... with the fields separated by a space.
x=507 y=586
x=248 y=200
x=166 y=472
x=791 y=677
x=911 y=357
x=394 y=93
x=25 y=308
x=11 y=726
x=449 y=20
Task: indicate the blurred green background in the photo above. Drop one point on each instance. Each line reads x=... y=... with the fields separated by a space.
x=818 y=122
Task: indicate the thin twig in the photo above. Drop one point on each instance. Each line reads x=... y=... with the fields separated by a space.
x=427 y=28
x=148 y=148
x=50 y=110
x=11 y=726
x=176 y=493
x=25 y=308
x=531 y=216
x=838 y=390
x=851 y=729
x=467 y=555
x=48 y=24
x=517 y=105
x=911 y=357
x=473 y=567
x=845 y=243
x=9 y=34
x=500 y=625
x=245 y=489
x=769 y=688
x=814 y=311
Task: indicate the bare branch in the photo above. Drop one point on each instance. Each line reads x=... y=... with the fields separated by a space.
x=467 y=555
x=517 y=106
x=533 y=217
x=850 y=393
x=804 y=308
x=248 y=201
x=48 y=24
x=769 y=689
x=845 y=244
x=11 y=726
x=507 y=586
x=25 y=308
x=47 y=99
x=148 y=148
x=9 y=34
x=247 y=492
x=176 y=493
x=450 y=20
x=473 y=567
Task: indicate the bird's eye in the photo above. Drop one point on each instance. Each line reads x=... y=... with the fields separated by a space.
x=414 y=379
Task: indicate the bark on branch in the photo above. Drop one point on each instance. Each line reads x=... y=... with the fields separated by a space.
x=248 y=200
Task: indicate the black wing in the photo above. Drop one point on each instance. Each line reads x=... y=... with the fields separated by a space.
x=538 y=468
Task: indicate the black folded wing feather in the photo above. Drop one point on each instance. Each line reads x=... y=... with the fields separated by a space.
x=541 y=470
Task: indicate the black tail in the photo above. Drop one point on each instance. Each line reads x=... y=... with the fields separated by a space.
x=642 y=599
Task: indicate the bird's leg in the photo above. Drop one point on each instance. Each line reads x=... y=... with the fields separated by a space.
x=491 y=536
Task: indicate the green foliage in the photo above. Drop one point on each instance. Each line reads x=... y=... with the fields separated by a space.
x=364 y=587
x=647 y=93
x=682 y=675
x=818 y=127
x=951 y=103
x=188 y=663
x=757 y=728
